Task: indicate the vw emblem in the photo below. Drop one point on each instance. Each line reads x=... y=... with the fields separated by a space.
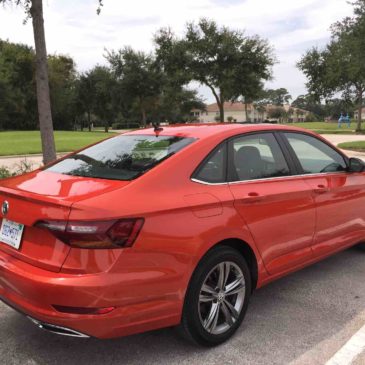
x=5 y=208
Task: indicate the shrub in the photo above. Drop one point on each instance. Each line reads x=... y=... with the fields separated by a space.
x=125 y=125
x=311 y=118
x=20 y=168
x=5 y=172
x=23 y=167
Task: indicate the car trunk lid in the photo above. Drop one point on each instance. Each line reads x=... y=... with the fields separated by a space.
x=44 y=195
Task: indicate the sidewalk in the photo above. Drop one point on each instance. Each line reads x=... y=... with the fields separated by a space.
x=12 y=162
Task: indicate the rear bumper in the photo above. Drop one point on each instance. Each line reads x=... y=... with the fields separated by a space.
x=59 y=330
x=33 y=292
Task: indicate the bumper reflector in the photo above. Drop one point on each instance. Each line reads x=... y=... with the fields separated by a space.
x=82 y=310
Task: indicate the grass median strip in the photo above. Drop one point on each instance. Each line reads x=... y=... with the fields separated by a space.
x=325 y=127
x=353 y=146
x=29 y=142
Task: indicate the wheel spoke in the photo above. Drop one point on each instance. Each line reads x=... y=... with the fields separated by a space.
x=205 y=298
x=208 y=289
x=235 y=287
x=227 y=314
x=231 y=308
x=223 y=273
x=211 y=322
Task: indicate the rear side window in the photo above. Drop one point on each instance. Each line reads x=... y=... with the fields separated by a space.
x=256 y=156
x=314 y=155
x=213 y=169
x=121 y=158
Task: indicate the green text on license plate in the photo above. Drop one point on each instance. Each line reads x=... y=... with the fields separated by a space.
x=11 y=233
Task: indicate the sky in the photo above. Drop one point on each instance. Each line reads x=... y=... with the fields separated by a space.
x=73 y=28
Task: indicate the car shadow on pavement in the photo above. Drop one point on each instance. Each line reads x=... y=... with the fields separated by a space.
x=285 y=319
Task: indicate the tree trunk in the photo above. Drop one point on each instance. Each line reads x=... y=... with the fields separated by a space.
x=246 y=111
x=221 y=111
x=220 y=102
x=144 y=117
x=359 y=116
x=89 y=120
x=43 y=97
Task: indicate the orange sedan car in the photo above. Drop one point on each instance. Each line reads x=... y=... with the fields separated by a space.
x=173 y=227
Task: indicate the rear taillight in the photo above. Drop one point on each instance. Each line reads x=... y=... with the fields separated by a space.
x=95 y=234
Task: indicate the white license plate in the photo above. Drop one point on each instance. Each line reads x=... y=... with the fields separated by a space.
x=11 y=233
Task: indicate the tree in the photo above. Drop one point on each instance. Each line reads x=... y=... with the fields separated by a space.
x=229 y=63
x=290 y=113
x=62 y=80
x=17 y=87
x=85 y=96
x=175 y=104
x=34 y=10
x=277 y=112
x=261 y=109
x=277 y=97
x=299 y=113
x=339 y=67
x=307 y=102
x=103 y=87
x=139 y=73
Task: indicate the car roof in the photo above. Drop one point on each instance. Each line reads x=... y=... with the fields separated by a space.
x=204 y=130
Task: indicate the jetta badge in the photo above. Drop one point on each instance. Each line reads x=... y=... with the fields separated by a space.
x=5 y=208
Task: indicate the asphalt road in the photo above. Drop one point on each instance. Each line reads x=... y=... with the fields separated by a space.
x=302 y=319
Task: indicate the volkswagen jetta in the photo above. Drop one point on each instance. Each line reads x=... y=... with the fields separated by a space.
x=173 y=227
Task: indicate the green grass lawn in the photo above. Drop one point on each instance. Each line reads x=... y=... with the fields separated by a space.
x=27 y=142
x=354 y=146
x=326 y=128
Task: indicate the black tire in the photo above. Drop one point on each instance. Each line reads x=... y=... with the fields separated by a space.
x=191 y=326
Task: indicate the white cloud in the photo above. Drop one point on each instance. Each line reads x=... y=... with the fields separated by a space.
x=72 y=27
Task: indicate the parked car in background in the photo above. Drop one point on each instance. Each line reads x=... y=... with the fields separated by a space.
x=173 y=226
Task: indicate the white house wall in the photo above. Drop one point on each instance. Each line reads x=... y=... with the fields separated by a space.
x=239 y=116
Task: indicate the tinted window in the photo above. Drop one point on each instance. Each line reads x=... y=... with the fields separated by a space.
x=213 y=169
x=314 y=155
x=122 y=157
x=257 y=156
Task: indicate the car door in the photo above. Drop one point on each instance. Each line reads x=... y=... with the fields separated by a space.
x=277 y=207
x=339 y=195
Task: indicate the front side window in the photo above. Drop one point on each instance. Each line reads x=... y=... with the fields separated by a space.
x=256 y=156
x=314 y=155
x=121 y=158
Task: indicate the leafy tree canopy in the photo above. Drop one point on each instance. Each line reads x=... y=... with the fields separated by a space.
x=339 y=67
x=230 y=63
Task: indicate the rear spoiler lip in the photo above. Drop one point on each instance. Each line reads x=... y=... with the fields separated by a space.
x=35 y=198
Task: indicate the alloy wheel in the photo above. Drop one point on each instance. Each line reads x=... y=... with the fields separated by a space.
x=221 y=297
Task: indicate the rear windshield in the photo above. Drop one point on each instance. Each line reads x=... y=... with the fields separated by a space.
x=121 y=158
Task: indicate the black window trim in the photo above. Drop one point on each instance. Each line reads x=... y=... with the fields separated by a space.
x=296 y=161
x=228 y=166
x=201 y=165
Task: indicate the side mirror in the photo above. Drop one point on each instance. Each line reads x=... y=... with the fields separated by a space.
x=356 y=165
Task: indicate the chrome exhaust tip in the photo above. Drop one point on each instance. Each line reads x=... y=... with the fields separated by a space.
x=58 y=330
